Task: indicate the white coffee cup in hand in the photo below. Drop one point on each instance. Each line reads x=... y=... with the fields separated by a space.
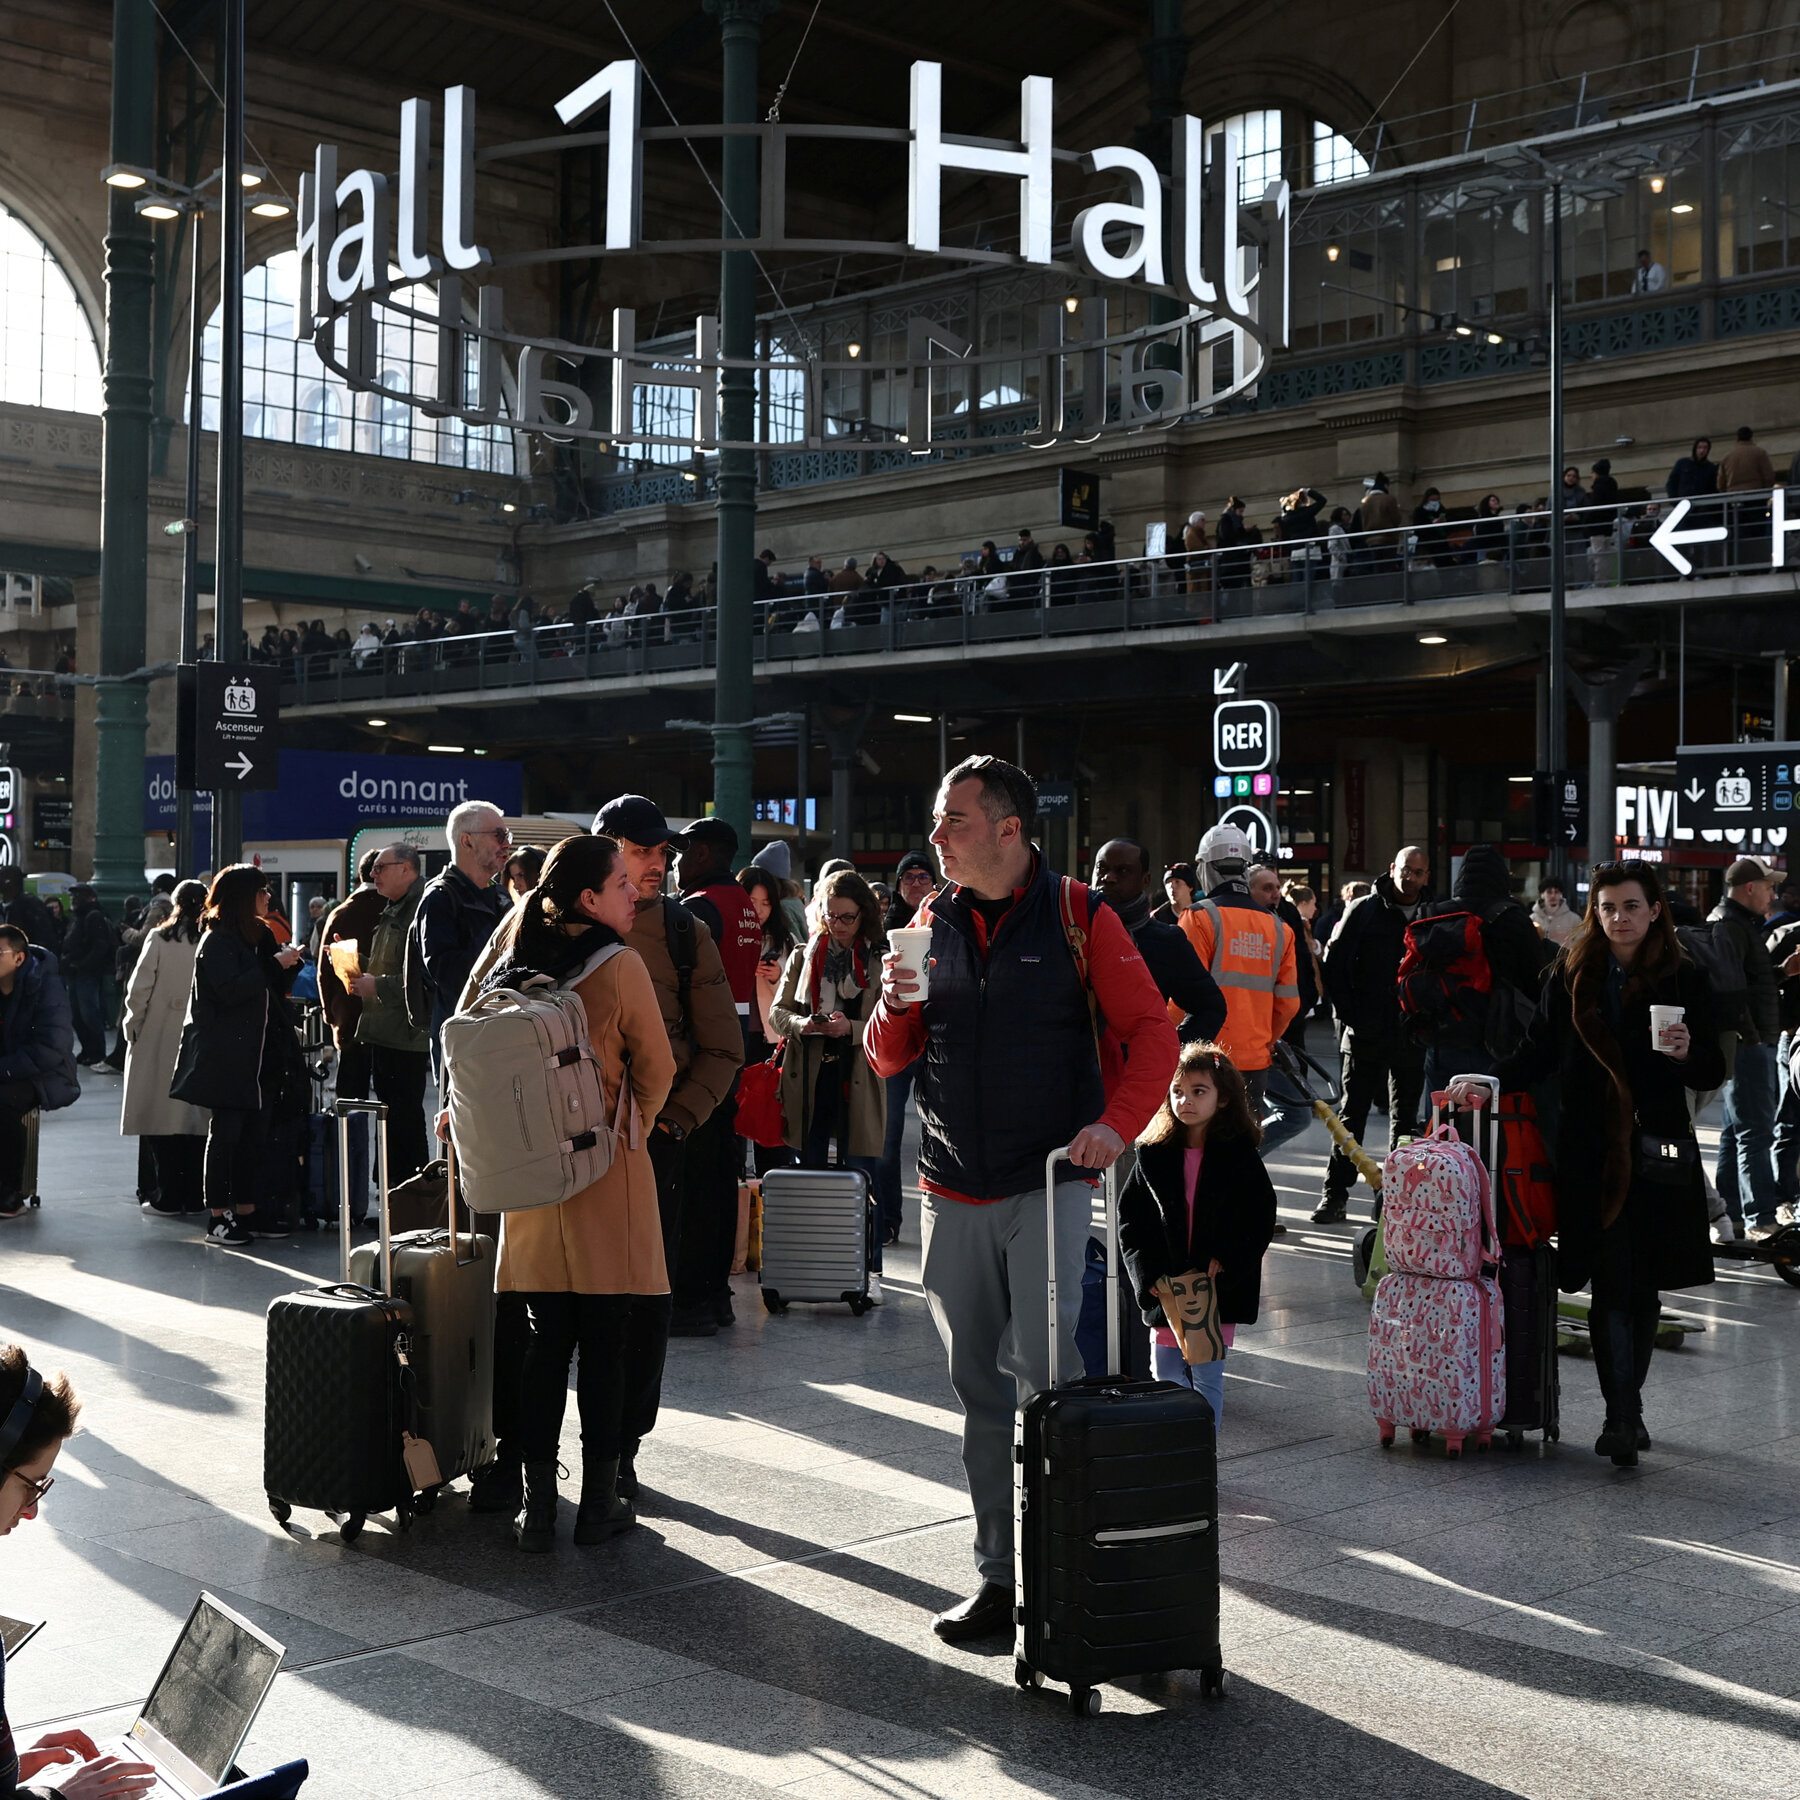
x=910 y=960
x=1662 y=1018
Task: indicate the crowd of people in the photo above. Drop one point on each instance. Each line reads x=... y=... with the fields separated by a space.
x=1059 y=1013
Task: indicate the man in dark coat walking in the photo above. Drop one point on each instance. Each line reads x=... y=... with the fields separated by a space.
x=87 y=961
x=37 y=1062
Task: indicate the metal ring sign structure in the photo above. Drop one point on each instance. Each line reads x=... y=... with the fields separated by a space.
x=1185 y=237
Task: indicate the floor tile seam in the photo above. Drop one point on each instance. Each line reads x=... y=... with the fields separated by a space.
x=573 y=1610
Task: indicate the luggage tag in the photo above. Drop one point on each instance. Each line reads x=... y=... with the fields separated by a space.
x=421 y=1463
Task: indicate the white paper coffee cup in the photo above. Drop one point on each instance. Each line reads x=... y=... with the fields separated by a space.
x=912 y=944
x=1661 y=1018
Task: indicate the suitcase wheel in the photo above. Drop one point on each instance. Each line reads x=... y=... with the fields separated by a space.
x=351 y=1527
x=1212 y=1682
x=773 y=1301
x=1554 y=1434
x=1484 y=1440
x=858 y=1304
x=1420 y=1435
x=1453 y=1445
x=37 y=1200
x=1386 y=1428
x=1025 y=1675
x=1515 y=1440
x=280 y=1508
x=1084 y=1703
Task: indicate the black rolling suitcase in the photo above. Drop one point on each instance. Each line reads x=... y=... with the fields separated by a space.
x=339 y=1397
x=1528 y=1300
x=1116 y=1519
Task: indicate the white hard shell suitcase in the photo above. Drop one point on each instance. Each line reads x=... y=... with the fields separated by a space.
x=817 y=1226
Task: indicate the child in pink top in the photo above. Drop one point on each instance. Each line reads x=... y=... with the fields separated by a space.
x=1198 y=1202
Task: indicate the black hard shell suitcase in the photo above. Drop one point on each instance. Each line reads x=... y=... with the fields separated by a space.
x=339 y=1394
x=1528 y=1298
x=448 y=1281
x=1116 y=1520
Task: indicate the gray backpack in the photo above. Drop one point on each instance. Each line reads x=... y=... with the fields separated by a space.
x=527 y=1105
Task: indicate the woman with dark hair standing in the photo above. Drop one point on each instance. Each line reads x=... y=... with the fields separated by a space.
x=777 y=945
x=156 y=1002
x=828 y=990
x=37 y=1413
x=236 y=1047
x=1630 y=1200
x=524 y=870
x=580 y=1264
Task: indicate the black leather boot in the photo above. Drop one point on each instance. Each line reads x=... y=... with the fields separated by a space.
x=1618 y=1439
x=535 y=1527
x=628 y=1475
x=603 y=1514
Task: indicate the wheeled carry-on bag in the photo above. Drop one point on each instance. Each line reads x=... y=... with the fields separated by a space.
x=1437 y=1337
x=1116 y=1518
x=339 y=1403
x=817 y=1227
x=447 y=1277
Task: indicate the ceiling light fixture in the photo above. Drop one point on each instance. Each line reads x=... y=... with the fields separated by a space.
x=448 y=749
x=1684 y=207
x=378 y=723
x=1494 y=337
x=1657 y=184
x=1331 y=253
x=915 y=719
x=121 y=175
x=1432 y=637
x=855 y=350
x=157 y=209
x=271 y=209
x=1072 y=303
x=1518 y=780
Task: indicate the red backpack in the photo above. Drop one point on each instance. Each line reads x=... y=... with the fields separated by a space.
x=1444 y=973
x=1527 y=1194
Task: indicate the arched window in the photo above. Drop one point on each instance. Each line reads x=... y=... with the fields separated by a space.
x=47 y=354
x=1334 y=157
x=291 y=396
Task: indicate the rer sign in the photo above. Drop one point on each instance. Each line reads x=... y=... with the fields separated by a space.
x=1246 y=737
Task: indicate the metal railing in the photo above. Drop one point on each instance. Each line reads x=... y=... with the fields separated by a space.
x=1311 y=572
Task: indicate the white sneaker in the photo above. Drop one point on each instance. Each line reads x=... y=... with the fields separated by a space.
x=874 y=1290
x=1725 y=1231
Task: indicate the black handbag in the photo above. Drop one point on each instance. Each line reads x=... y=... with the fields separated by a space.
x=1665 y=1161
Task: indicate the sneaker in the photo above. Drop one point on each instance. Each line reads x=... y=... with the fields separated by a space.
x=874 y=1290
x=273 y=1228
x=12 y=1206
x=1280 y=1229
x=1333 y=1210
x=163 y=1208
x=226 y=1233
x=1758 y=1232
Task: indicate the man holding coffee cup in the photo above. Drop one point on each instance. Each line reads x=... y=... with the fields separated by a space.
x=994 y=1012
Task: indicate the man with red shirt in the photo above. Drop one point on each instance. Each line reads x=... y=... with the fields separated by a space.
x=1008 y=1071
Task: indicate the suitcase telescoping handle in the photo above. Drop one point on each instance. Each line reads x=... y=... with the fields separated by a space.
x=1112 y=1258
x=1440 y=1100
x=450 y=1205
x=378 y=1112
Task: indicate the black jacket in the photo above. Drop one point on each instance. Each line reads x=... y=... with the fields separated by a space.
x=1690 y=477
x=232 y=1006
x=1009 y=1069
x=1362 y=959
x=451 y=929
x=37 y=1043
x=1305 y=977
x=1175 y=966
x=1234 y=1219
x=1668 y=1223
x=1781 y=944
x=1762 y=1001
x=35 y=919
x=88 y=944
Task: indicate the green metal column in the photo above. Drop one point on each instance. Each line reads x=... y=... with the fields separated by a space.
x=740 y=33
x=122 y=706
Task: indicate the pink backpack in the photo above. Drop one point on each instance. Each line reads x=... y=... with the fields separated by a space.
x=1437 y=1209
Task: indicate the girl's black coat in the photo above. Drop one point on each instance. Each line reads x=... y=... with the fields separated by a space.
x=1234 y=1219
x=237 y=1046
x=1668 y=1223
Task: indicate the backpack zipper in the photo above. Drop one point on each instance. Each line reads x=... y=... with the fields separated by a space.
x=519 y=1107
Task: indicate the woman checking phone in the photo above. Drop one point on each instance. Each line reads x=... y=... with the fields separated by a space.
x=1630 y=1199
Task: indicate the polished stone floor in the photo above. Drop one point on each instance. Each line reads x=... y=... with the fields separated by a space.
x=1394 y=1624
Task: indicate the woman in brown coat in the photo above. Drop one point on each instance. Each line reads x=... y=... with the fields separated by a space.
x=579 y=1264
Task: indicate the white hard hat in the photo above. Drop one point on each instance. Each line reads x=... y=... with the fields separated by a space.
x=1224 y=843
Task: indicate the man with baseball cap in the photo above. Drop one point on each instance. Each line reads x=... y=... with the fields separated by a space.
x=707 y=849
x=1746 y=1169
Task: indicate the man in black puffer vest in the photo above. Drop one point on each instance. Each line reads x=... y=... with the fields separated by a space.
x=1008 y=1071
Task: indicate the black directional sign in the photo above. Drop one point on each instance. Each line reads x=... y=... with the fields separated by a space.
x=1738 y=787
x=1079 y=494
x=1562 y=808
x=1246 y=737
x=228 y=730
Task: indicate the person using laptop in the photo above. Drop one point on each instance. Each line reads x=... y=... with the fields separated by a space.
x=37 y=1412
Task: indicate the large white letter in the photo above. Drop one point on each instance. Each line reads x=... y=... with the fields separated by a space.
x=618 y=87
x=1143 y=254
x=316 y=220
x=460 y=249
x=415 y=261
x=930 y=156
x=1781 y=527
x=367 y=238
x=1189 y=211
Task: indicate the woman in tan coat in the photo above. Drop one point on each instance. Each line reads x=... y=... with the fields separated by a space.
x=828 y=990
x=155 y=1005
x=579 y=1264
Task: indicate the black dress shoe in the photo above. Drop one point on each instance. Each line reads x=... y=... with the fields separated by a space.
x=1332 y=1212
x=1618 y=1439
x=986 y=1613
x=1643 y=1436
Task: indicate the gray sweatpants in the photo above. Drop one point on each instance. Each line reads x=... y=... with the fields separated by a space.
x=985 y=1274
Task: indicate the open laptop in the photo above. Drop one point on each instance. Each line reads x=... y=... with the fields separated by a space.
x=15 y=1634
x=204 y=1702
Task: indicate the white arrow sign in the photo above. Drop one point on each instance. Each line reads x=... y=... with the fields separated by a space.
x=242 y=765
x=1225 y=681
x=1666 y=536
x=1571 y=834
x=1694 y=790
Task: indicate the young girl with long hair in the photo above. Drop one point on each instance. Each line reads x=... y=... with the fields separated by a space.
x=1199 y=1203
